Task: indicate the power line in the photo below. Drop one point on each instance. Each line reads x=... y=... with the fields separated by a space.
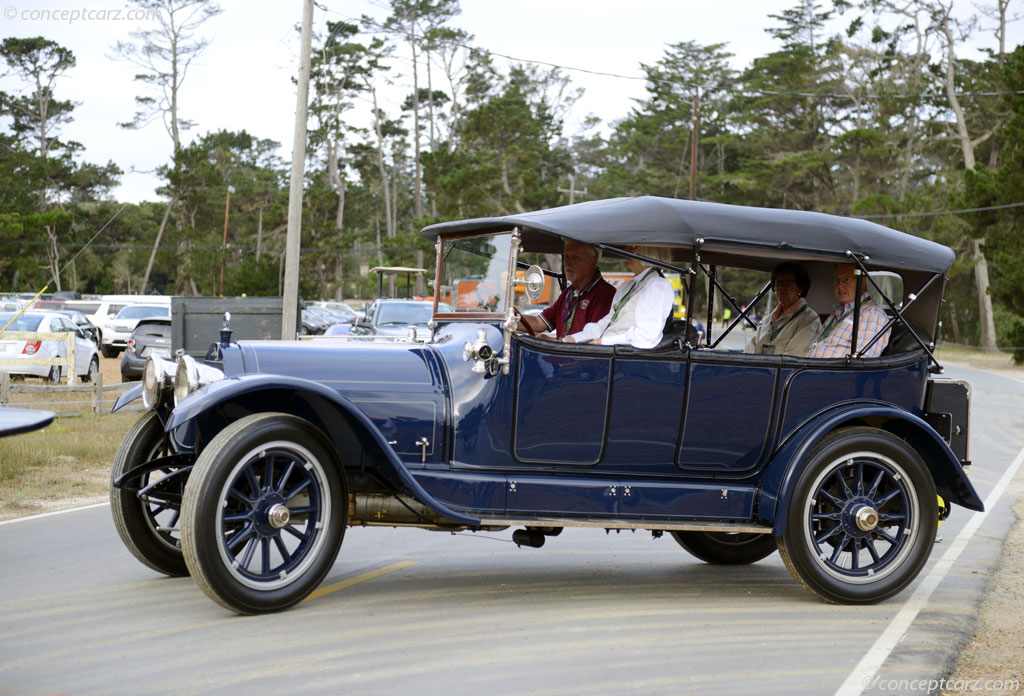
x=940 y=212
x=379 y=28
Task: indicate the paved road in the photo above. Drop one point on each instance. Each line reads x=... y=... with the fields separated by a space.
x=410 y=611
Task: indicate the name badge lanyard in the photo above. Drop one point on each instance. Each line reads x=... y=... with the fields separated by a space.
x=570 y=311
x=773 y=332
x=831 y=326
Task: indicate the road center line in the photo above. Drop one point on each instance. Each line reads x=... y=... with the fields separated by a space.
x=863 y=674
x=358 y=579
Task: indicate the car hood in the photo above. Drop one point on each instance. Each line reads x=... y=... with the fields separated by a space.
x=341 y=365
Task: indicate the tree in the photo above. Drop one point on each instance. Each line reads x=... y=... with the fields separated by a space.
x=164 y=54
x=413 y=19
x=42 y=162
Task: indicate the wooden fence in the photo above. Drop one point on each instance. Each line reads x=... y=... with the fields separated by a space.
x=96 y=398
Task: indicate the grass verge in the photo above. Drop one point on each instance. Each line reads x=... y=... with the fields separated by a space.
x=64 y=464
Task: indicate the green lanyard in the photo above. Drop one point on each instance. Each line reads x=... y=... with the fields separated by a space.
x=773 y=332
x=831 y=326
x=629 y=293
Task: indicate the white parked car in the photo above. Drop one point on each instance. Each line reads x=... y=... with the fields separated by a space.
x=87 y=360
x=118 y=330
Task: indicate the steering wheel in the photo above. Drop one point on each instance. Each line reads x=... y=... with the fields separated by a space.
x=529 y=329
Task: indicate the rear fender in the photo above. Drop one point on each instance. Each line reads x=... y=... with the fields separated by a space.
x=207 y=411
x=780 y=476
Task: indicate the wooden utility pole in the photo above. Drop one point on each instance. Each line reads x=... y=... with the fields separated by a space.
x=224 y=244
x=293 y=245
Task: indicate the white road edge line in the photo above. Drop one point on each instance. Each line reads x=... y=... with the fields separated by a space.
x=863 y=675
x=16 y=520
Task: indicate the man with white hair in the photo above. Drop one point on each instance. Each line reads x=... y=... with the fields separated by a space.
x=587 y=298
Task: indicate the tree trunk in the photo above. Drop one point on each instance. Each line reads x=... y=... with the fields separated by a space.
x=986 y=323
x=156 y=245
x=417 y=198
x=381 y=168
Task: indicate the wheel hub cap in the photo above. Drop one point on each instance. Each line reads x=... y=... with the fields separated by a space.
x=278 y=516
x=866 y=518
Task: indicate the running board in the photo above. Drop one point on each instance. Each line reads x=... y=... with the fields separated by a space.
x=745 y=528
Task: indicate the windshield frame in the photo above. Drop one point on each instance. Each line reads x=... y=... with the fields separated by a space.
x=500 y=282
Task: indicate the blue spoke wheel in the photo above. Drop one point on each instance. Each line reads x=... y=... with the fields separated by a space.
x=727 y=548
x=146 y=509
x=862 y=517
x=264 y=513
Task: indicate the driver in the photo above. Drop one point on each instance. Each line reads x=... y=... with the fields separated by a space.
x=587 y=298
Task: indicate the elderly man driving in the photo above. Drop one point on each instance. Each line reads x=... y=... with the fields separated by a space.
x=587 y=298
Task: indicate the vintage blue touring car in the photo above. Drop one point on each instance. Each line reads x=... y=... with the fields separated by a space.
x=247 y=468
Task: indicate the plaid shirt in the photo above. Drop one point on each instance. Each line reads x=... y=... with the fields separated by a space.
x=836 y=332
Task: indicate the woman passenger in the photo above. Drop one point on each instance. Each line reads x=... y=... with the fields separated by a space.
x=639 y=308
x=792 y=326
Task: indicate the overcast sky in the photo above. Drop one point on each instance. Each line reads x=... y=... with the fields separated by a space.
x=244 y=79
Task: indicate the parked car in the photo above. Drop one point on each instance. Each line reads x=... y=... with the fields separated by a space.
x=151 y=336
x=395 y=318
x=312 y=324
x=117 y=332
x=14 y=351
x=345 y=313
x=82 y=322
x=247 y=468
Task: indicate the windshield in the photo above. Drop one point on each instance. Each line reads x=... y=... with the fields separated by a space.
x=474 y=272
x=139 y=311
x=404 y=314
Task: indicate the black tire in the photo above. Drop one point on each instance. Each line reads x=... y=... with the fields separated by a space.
x=727 y=548
x=845 y=560
x=237 y=508
x=53 y=376
x=94 y=368
x=148 y=528
x=109 y=351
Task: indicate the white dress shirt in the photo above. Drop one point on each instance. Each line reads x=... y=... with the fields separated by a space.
x=653 y=303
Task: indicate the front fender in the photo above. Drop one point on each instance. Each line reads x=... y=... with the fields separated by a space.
x=780 y=476
x=231 y=398
x=127 y=396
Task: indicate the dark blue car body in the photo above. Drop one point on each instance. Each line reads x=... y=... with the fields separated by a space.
x=484 y=428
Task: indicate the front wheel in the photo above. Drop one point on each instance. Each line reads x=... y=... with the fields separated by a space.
x=727 y=548
x=146 y=507
x=861 y=519
x=264 y=513
x=94 y=368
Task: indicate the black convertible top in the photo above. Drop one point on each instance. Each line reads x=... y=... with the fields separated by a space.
x=729 y=232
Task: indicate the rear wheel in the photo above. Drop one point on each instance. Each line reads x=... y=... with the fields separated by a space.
x=147 y=509
x=264 y=513
x=53 y=376
x=862 y=517
x=727 y=548
x=108 y=351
